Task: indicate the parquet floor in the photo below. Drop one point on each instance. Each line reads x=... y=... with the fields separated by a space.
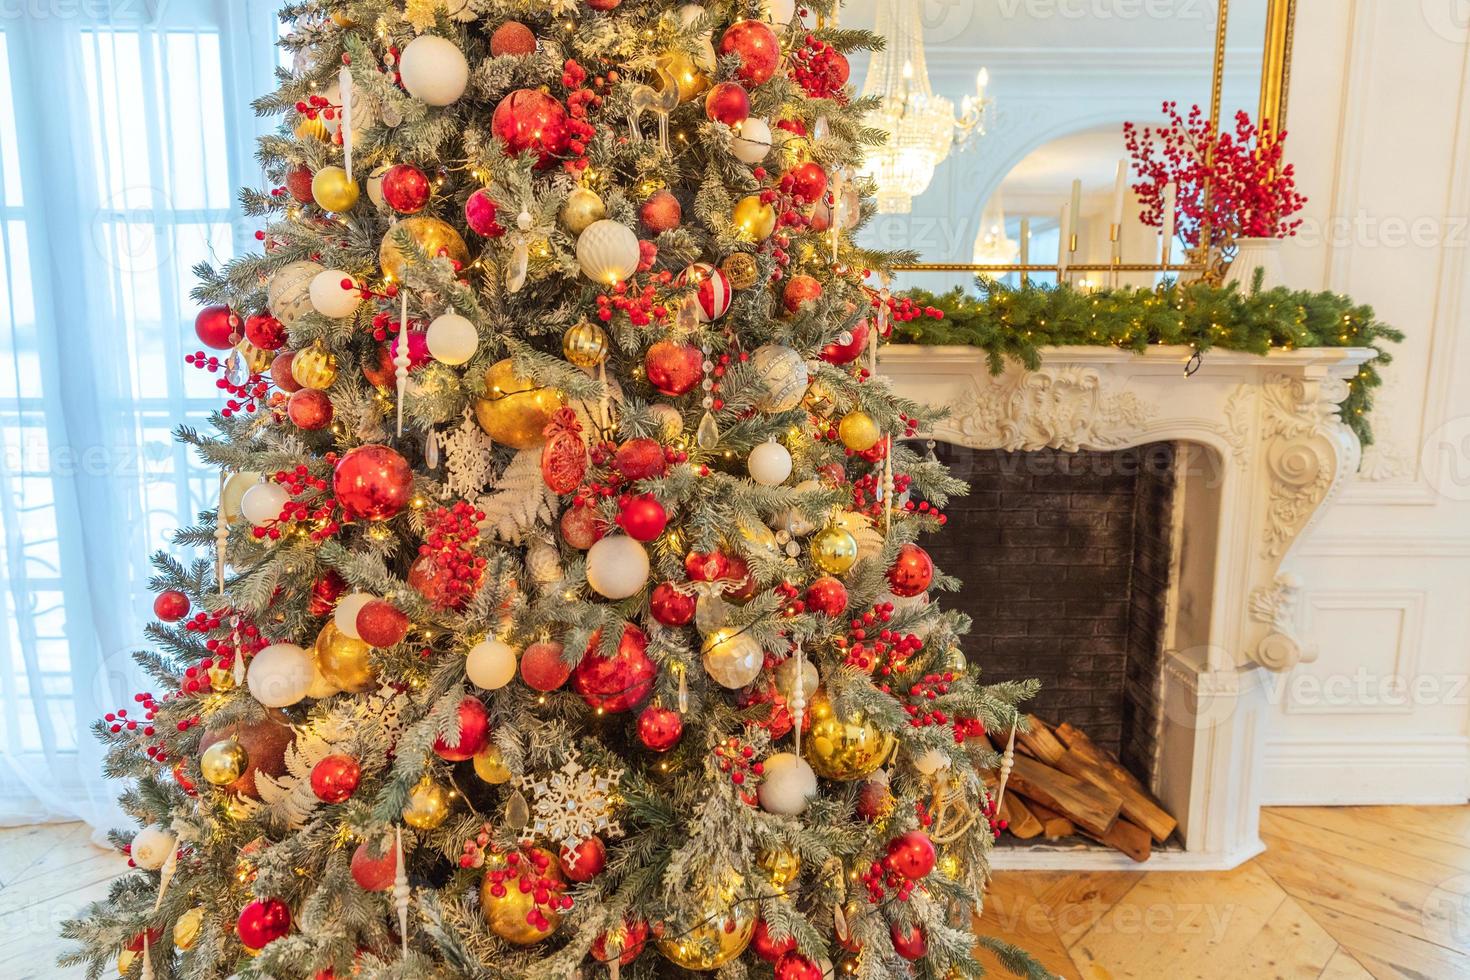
x=1340 y=894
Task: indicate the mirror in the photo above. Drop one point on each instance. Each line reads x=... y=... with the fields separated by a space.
x=1063 y=78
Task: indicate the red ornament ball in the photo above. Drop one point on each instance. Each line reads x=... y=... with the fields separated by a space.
x=309 y=409
x=643 y=517
x=912 y=571
x=794 y=966
x=674 y=369
x=669 y=606
x=767 y=948
x=759 y=49
x=406 y=189
x=543 y=667
x=474 y=732
x=381 y=625
x=528 y=120
x=800 y=290
x=827 y=596
x=372 y=483
x=706 y=566
x=728 y=102
x=218 y=327
x=634 y=939
x=298 y=183
x=135 y=945
x=281 y=375
x=585 y=861
x=660 y=728
x=480 y=213
x=661 y=212
x=581 y=527
x=909 y=943
x=746 y=586
x=374 y=868
x=619 y=681
x=808 y=181
x=265 y=331
x=512 y=38
x=841 y=68
x=335 y=778
x=911 y=854
x=171 y=606
x=712 y=290
x=604 y=5
x=640 y=459
x=434 y=582
x=263 y=922
x=325 y=591
x=837 y=353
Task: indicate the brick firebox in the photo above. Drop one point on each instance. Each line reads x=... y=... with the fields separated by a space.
x=1065 y=563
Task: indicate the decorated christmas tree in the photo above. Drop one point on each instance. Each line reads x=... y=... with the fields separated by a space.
x=563 y=611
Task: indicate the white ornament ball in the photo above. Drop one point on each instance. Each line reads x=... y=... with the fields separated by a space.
x=617 y=567
x=375 y=186
x=783 y=373
x=769 y=464
x=491 y=664
x=262 y=503
x=789 y=785
x=345 y=618
x=152 y=847
x=607 y=252
x=733 y=657
x=752 y=141
x=434 y=70
x=670 y=422
x=543 y=561
x=780 y=12
x=452 y=339
x=330 y=299
x=289 y=292
x=280 y=675
x=931 y=761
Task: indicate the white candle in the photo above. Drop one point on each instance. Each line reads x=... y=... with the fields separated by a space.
x=1171 y=205
x=1064 y=233
x=1076 y=212
x=1025 y=241
x=344 y=82
x=1120 y=191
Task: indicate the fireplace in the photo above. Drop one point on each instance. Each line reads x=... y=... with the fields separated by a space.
x=1128 y=541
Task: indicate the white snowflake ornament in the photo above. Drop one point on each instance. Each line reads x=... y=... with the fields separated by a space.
x=572 y=804
x=467 y=459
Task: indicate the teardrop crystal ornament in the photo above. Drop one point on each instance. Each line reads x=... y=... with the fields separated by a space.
x=708 y=433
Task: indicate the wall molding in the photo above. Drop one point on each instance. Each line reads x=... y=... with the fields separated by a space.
x=1380 y=769
x=1385 y=546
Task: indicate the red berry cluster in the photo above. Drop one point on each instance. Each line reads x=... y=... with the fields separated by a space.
x=316 y=504
x=196 y=678
x=865 y=492
x=118 y=722
x=795 y=604
x=243 y=397
x=968 y=728
x=642 y=307
x=449 y=544
x=579 y=101
x=528 y=869
x=920 y=699
x=820 y=70
x=318 y=107
x=924 y=507
x=472 y=855
x=736 y=759
x=901 y=309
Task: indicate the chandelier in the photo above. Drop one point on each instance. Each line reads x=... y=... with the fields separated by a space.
x=992 y=247
x=921 y=126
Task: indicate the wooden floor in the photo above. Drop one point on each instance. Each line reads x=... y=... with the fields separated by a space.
x=1341 y=893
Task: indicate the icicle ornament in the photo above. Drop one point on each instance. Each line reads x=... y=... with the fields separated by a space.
x=400 y=357
x=400 y=887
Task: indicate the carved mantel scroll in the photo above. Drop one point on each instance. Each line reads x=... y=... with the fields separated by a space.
x=1274 y=419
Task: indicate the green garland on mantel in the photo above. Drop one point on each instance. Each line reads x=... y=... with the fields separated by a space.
x=1017 y=322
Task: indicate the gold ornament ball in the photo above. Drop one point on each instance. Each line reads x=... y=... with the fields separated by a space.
x=678 y=67
x=490 y=766
x=186 y=929
x=429 y=803
x=221 y=678
x=581 y=209
x=125 y=961
x=741 y=270
x=344 y=662
x=506 y=914
x=234 y=492
x=716 y=934
x=834 y=550
x=224 y=762
x=257 y=360
x=819 y=400
x=843 y=748
x=585 y=344
x=955 y=662
x=858 y=431
x=514 y=410
x=333 y=190
x=312 y=129
x=342 y=20
x=754 y=219
x=429 y=234
x=782 y=865
x=314 y=367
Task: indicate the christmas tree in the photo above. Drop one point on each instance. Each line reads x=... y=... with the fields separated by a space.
x=562 y=612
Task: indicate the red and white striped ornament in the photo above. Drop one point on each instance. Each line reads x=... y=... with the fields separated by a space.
x=714 y=293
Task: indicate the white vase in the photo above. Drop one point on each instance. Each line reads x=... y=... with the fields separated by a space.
x=1253 y=254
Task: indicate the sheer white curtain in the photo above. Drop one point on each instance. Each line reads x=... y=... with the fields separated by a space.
x=124 y=133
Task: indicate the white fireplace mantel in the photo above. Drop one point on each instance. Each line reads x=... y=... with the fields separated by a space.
x=1264 y=448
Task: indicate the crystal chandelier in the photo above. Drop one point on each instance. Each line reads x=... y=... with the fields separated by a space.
x=992 y=247
x=921 y=126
